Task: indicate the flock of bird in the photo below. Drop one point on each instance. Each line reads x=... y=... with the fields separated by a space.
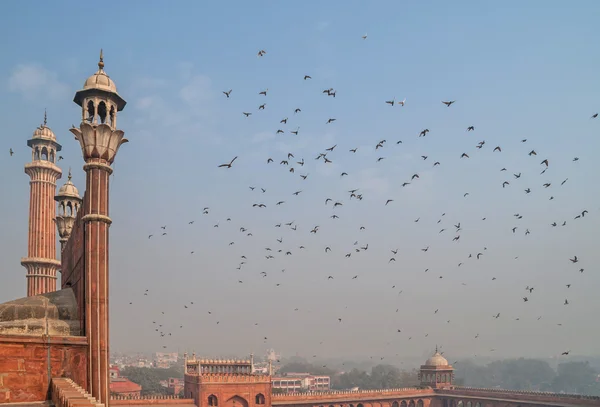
x=293 y=163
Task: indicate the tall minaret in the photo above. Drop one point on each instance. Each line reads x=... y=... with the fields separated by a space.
x=69 y=203
x=41 y=262
x=100 y=140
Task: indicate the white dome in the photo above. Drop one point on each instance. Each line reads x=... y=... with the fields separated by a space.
x=436 y=360
x=43 y=132
x=100 y=80
x=68 y=190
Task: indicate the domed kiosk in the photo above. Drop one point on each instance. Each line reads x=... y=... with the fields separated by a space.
x=436 y=372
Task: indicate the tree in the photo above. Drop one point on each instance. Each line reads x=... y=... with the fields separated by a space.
x=575 y=377
x=150 y=378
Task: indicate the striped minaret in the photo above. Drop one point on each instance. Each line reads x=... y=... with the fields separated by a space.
x=100 y=140
x=41 y=262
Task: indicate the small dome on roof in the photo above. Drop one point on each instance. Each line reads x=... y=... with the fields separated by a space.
x=44 y=132
x=68 y=190
x=436 y=360
x=100 y=80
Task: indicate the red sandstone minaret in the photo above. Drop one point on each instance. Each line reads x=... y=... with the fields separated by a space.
x=41 y=262
x=100 y=140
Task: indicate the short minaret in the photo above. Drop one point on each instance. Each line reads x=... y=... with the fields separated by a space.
x=69 y=203
x=100 y=141
x=436 y=372
x=41 y=262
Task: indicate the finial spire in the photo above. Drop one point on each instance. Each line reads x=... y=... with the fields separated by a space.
x=436 y=349
x=69 y=178
x=101 y=62
x=45 y=118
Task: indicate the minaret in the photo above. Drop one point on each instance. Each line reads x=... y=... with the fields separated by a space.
x=41 y=262
x=69 y=203
x=100 y=140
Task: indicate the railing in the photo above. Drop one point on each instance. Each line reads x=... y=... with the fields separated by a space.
x=233 y=377
x=66 y=393
x=360 y=394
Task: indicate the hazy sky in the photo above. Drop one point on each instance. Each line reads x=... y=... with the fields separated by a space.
x=517 y=70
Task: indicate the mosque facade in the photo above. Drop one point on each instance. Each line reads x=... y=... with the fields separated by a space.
x=54 y=343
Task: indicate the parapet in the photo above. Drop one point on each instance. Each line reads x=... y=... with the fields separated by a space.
x=234 y=378
x=52 y=314
x=459 y=389
x=65 y=393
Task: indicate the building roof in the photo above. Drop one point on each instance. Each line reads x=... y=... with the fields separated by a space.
x=436 y=360
x=123 y=385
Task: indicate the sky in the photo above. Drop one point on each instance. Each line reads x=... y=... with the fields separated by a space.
x=516 y=70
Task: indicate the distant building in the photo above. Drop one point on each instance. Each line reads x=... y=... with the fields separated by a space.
x=121 y=386
x=296 y=382
x=165 y=360
x=174 y=385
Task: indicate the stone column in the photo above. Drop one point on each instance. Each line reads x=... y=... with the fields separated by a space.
x=99 y=145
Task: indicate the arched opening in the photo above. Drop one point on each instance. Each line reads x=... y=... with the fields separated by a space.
x=102 y=112
x=438 y=379
x=478 y=404
x=411 y=403
x=213 y=401
x=395 y=404
x=91 y=111
x=75 y=209
x=51 y=156
x=68 y=285
x=469 y=404
x=260 y=398
x=69 y=211
x=44 y=154
x=460 y=404
x=36 y=155
x=403 y=404
x=420 y=403
x=236 y=401
x=360 y=405
x=112 y=116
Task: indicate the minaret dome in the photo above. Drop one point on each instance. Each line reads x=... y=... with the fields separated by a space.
x=99 y=98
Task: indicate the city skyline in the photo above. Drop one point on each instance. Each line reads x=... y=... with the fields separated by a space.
x=181 y=127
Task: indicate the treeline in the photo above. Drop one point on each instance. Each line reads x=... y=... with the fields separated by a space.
x=509 y=374
x=530 y=374
x=149 y=378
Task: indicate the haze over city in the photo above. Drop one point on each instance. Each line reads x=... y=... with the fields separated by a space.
x=516 y=71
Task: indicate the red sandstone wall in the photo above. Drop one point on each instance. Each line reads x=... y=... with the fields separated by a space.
x=24 y=361
x=244 y=392
x=73 y=264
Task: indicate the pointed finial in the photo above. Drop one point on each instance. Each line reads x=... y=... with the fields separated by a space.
x=69 y=177
x=101 y=62
x=436 y=349
x=45 y=118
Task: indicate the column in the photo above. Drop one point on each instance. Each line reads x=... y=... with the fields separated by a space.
x=97 y=224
